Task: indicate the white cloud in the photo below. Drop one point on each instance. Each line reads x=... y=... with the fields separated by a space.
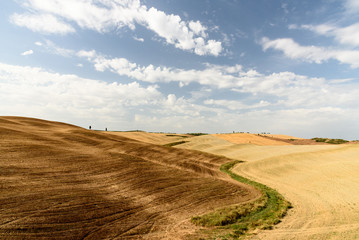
x=235 y=104
x=29 y=52
x=352 y=6
x=38 y=44
x=214 y=76
x=43 y=23
x=315 y=54
x=79 y=65
x=348 y=35
x=139 y=39
x=54 y=49
x=28 y=91
x=285 y=103
x=293 y=50
x=198 y=28
x=285 y=89
x=55 y=17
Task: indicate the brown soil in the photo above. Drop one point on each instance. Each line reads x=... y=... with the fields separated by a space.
x=154 y=138
x=60 y=181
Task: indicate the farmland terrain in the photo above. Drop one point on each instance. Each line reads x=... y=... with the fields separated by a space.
x=320 y=180
x=59 y=181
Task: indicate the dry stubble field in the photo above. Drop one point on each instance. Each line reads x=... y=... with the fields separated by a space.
x=321 y=182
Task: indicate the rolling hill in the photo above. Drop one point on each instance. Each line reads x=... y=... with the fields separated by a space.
x=59 y=181
x=320 y=180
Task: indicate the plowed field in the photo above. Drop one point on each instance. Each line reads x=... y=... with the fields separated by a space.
x=154 y=138
x=59 y=181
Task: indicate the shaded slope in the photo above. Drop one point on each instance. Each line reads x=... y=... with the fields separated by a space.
x=60 y=181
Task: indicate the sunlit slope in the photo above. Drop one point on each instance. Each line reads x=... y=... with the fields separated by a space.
x=282 y=136
x=321 y=181
x=63 y=182
x=248 y=138
x=322 y=184
x=216 y=145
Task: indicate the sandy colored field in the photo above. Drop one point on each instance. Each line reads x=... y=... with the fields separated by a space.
x=266 y=139
x=321 y=181
x=248 y=138
x=59 y=181
x=154 y=138
x=281 y=136
x=246 y=152
x=323 y=186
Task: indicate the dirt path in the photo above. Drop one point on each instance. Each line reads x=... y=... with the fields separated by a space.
x=322 y=183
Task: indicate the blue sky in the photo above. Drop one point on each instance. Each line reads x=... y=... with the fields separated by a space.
x=284 y=67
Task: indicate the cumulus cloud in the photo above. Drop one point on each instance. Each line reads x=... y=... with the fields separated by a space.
x=283 y=89
x=35 y=92
x=57 y=17
x=214 y=75
x=29 y=52
x=279 y=102
x=293 y=50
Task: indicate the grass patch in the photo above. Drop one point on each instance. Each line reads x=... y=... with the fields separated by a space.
x=174 y=143
x=331 y=141
x=263 y=213
x=175 y=135
x=197 y=134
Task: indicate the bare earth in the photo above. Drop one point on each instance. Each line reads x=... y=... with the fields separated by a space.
x=321 y=182
x=243 y=138
x=154 y=138
x=59 y=181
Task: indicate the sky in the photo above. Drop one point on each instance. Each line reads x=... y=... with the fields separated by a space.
x=273 y=66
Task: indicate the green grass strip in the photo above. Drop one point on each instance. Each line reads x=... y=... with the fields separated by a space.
x=263 y=213
x=174 y=143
